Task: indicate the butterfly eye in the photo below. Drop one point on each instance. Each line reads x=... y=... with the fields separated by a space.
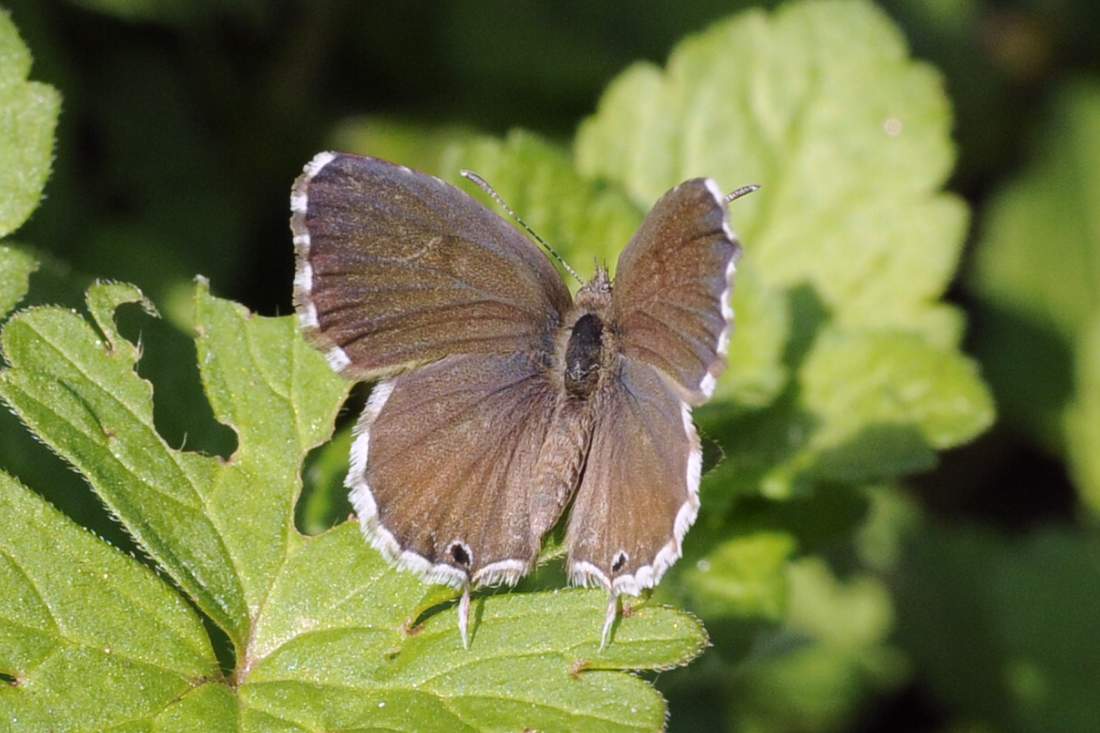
x=620 y=560
x=461 y=554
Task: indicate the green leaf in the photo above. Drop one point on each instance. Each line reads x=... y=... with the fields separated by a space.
x=894 y=518
x=28 y=116
x=756 y=373
x=817 y=520
x=820 y=104
x=841 y=334
x=888 y=381
x=866 y=406
x=744 y=576
x=851 y=613
x=89 y=636
x=1037 y=269
x=16 y=268
x=20 y=455
x=1056 y=202
x=339 y=647
x=1083 y=421
x=260 y=382
x=829 y=657
x=326 y=634
x=822 y=658
x=80 y=394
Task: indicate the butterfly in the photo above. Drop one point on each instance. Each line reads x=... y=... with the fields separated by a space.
x=501 y=399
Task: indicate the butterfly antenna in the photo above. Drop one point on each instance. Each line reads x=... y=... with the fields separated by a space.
x=484 y=186
x=739 y=192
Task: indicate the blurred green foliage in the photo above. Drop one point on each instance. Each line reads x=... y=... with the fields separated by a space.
x=847 y=581
x=1003 y=629
x=1037 y=275
x=29 y=115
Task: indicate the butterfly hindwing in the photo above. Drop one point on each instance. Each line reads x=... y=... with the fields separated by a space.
x=639 y=492
x=451 y=475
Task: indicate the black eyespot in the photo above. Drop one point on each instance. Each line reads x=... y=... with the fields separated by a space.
x=458 y=552
x=620 y=561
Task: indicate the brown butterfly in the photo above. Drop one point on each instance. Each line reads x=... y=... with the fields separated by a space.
x=503 y=398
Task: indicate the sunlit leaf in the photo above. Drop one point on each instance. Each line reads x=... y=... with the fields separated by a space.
x=89 y=636
x=865 y=407
x=326 y=634
x=821 y=104
x=849 y=245
x=744 y=576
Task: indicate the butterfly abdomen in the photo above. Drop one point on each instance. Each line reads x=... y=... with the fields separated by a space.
x=560 y=463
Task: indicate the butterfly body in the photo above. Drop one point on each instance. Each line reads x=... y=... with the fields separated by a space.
x=589 y=341
x=503 y=398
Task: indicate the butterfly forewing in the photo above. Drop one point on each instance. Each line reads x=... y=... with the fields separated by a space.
x=672 y=288
x=397 y=268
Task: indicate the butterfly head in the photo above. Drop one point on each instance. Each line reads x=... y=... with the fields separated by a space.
x=596 y=293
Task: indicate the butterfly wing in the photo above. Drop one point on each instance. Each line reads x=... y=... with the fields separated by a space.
x=639 y=492
x=672 y=288
x=399 y=271
x=396 y=269
x=453 y=475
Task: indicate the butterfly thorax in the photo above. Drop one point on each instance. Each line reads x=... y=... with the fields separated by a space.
x=587 y=337
x=582 y=356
